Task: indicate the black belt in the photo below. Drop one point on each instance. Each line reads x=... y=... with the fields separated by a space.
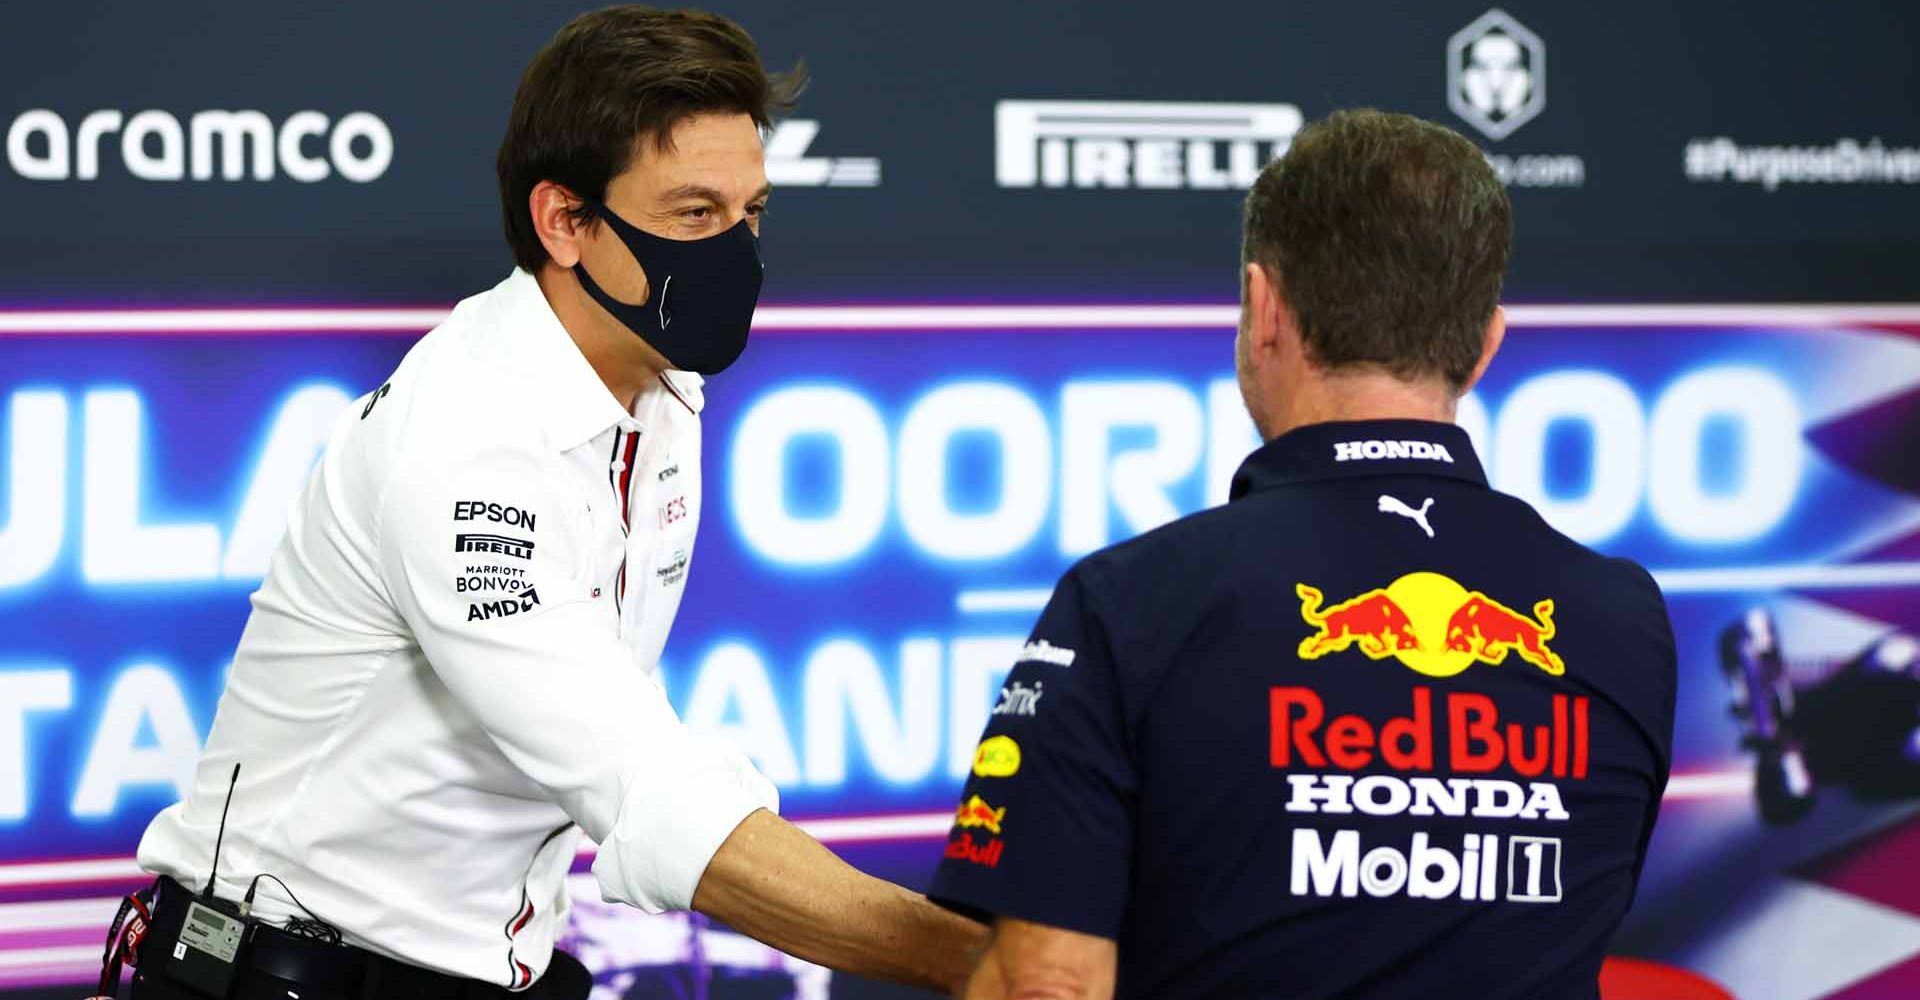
x=271 y=960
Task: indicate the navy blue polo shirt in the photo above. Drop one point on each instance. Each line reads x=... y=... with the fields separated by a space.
x=1371 y=729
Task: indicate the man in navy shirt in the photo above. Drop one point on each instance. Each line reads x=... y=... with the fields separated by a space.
x=1369 y=730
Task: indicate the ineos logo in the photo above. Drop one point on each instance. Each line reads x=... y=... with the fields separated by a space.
x=155 y=147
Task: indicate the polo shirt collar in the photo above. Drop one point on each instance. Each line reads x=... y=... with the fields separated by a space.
x=1346 y=449
x=573 y=405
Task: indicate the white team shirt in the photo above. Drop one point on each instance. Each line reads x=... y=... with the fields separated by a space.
x=454 y=659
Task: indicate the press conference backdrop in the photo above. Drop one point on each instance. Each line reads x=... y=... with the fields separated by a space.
x=995 y=337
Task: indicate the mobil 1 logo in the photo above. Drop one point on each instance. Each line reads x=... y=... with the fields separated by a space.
x=1483 y=869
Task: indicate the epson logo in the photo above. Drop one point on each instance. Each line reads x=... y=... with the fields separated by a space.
x=507 y=514
x=1350 y=451
x=1132 y=144
x=308 y=146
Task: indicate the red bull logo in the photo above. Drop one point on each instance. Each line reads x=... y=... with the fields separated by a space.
x=1431 y=624
x=984 y=853
x=975 y=813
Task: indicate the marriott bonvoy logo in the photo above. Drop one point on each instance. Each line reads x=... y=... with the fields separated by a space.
x=156 y=145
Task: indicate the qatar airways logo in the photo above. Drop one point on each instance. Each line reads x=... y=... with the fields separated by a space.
x=154 y=145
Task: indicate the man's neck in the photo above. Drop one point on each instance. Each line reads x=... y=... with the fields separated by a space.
x=1365 y=396
x=610 y=352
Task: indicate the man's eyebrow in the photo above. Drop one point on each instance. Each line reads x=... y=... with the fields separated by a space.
x=686 y=192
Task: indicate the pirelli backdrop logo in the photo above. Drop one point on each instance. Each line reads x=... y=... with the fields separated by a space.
x=1138 y=144
x=503 y=545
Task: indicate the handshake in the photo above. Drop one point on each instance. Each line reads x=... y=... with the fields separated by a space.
x=773 y=882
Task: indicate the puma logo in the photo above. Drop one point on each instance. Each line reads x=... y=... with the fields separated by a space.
x=1392 y=505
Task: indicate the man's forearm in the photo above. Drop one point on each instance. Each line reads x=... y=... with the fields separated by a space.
x=774 y=883
x=1027 y=961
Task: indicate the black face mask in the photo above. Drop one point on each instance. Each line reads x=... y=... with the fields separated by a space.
x=702 y=293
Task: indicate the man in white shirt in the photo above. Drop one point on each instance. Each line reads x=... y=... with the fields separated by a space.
x=452 y=664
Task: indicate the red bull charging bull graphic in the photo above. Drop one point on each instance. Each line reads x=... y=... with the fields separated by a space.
x=1431 y=624
x=1438 y=628
x=976 y=813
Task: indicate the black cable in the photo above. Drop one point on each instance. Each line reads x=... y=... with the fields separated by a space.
x=312 y=926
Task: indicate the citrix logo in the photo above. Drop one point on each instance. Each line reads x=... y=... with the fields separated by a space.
x=154 y=146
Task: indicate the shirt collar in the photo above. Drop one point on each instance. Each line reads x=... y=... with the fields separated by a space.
x=574 y=406
x=1360 y=448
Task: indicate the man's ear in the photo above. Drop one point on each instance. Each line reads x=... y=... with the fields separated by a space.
x=1266 y=310
x=560 y=230
x=1496 y=333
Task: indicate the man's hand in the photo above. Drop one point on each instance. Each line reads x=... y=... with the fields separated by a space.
x=775 y=884
x=1035 y=962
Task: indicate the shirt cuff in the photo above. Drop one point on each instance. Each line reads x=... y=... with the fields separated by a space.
x=669 y=828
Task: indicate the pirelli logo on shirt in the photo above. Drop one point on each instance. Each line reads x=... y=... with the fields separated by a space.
x=502 y=545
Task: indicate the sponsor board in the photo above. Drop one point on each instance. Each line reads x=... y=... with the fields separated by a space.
x=1497 y=83
x=217 y=146
x=1163 y=145
x=1845 y=161
x=788 y=164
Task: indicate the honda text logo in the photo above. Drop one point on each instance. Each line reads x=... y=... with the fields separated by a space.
x=789 y=166
x=152 y=145
x=1496 y=74
x=1125 y=144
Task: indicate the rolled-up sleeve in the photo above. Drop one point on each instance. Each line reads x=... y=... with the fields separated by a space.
x=539 y=663
x=1044 y=832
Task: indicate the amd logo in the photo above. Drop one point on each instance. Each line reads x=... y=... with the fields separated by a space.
x=1135 y=144
x=154 y=146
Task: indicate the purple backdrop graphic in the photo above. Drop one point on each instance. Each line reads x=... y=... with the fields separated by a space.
x=897 y=487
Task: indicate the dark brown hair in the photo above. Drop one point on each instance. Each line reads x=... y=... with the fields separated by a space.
x=1389 y=237
x=612 y=78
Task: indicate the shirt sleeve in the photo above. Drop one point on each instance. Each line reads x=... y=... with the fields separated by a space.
x=1044 y=832
x=1659 y=722
x=538 y=661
